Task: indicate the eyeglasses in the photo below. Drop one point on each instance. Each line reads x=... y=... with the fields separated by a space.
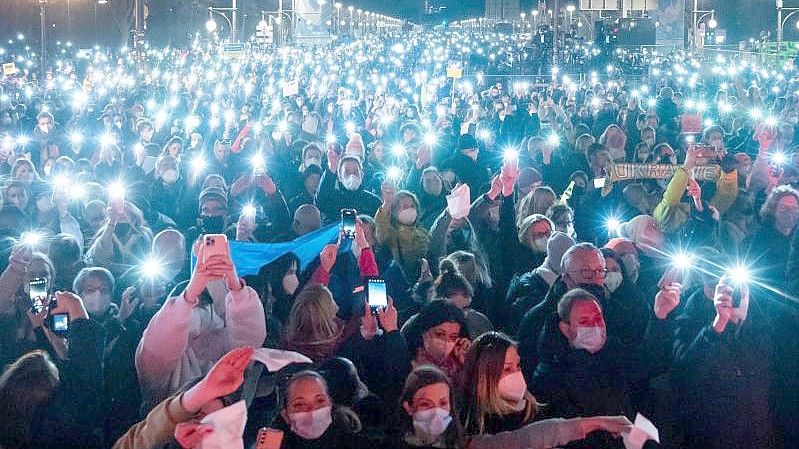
x=588 y=273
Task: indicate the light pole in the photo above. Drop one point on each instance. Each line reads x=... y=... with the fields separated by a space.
x=43 y=17
x=781 y=22
x=698 y=18
x=535 y=20
x=338 y=6
x=232 y=21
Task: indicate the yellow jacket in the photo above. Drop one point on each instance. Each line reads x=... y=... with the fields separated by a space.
x=671 y=214
x=408 y=244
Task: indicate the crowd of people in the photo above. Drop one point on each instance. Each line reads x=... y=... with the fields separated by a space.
x=536 y=299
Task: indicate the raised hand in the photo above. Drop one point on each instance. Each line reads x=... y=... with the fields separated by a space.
x=190 y=435
x=224 y=378
x=70 y=304
x=667 y=299
x=388 y=317
x=128 y=304
x=265 y=183
x=327 y=258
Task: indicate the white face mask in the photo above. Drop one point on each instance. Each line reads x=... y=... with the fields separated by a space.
x=512 y=387
x=312 y=161
x=592 y=338
x=351 y=182
x=96 y=302
x=290 y=284
x=437 y=348
x=539 y=245
x=613 y=280
x=407 y=216
x=170 y=176
x=431 y=422
x=311 y=425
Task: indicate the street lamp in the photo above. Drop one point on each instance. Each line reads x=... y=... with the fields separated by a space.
x=210 y=25
x=232 y=21
x=712 y=23
x=43 y=16
x=781 y=22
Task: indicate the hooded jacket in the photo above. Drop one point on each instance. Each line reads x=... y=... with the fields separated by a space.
x=183 y=341
x=408 y=244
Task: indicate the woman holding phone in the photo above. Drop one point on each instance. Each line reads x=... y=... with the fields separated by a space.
x=188 y=334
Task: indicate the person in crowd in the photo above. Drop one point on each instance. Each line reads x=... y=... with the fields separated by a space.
x=341 y=187
x=526 y=291
x=49 y=406
x=398 y=230
x=438 y=335
x=191 y=331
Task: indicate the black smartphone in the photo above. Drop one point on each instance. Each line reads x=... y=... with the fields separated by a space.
x=376 y=293
x=37 y=291
x=59 y=323
x=348 y=222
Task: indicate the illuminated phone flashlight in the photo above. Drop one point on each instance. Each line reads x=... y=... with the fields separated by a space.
x=613 y=225
x=258 y=163
x=283 y=126
x=31 y=238
x=701 y=106
x=430 y=139
x=23 y=140
x=349 y=127
x=484 y=135
x=60 y=182
x=553 y=140
x=76 y=138
x=398 y=150
x=394 y=173
x=510 y=155
x=116 y=190
x=756 y=114
x=330 y=139
x=77 y=192
x=107 y=140
x=779 y=158
x=248 y=210
x=770 y=121
x=198 y=165
x=739 y=274
x=651 y=102
x=151 y=268
x=682 y=260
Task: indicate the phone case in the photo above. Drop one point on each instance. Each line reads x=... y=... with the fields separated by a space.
x=269 y=439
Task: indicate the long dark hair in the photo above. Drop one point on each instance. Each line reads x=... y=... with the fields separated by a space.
x=25 y=387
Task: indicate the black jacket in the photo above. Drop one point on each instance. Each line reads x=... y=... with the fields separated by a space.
x=332 y=197
x=73 y=418
x=468 y=171
x=725 y=379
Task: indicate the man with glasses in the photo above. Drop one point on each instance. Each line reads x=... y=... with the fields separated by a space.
x=584 y=370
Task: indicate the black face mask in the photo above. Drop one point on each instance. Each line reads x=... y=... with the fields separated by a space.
x=212 y=225
x=597 y=290
x=122 y=230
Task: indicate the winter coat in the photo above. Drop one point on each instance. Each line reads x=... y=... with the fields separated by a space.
x=331 y=197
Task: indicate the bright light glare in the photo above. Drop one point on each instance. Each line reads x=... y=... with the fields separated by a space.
x=553 y=140
x=116 y=189
x=398 y=150
x=739 y=274
x=779 y=158
x=198 y=165
x=510 y=154
x=248 y=210
x=32 y=238
x=430 y=139
x=682 y=260
x=613 y=224
x=76 y=138
x=151 y=268
x=394 y=173
x=771 y=121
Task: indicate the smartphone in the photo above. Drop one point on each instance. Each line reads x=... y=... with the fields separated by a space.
x=117 y=203
x=269 y=439
x=348 y=222
x=37 y=290
x=215 y=244
x=59 y=323
x=376 y=293
x=599 y=183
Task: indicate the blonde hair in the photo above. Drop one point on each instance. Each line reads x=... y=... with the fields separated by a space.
x=481 y=373
x=529 y=205
x=313 y=317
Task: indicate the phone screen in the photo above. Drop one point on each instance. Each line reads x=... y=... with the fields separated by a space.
x=60 y=323
x=599 y=183
x=377 y=293
x=37 y=290
x=348 y=222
